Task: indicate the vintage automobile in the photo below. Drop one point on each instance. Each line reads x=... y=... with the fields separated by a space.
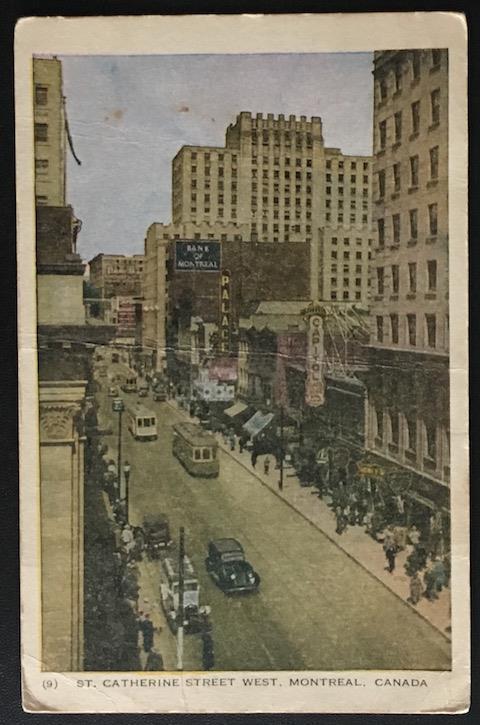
x=160 y=392
x=196 y=617
x=156 y=531
x=228 y=567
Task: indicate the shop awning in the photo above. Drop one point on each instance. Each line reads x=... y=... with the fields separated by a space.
x=257 y=423
x=235 y=409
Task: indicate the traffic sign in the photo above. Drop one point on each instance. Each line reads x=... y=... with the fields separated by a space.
x=118 y=405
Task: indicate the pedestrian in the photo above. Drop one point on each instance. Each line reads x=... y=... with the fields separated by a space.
x=429 y=581
x=266 y=466
x=154 y=662
x=416 y=589
x=341 y=520
x=413 y=535
x=146 y=628
x=241 y=444
x=127 y=538
x=439 y=575
x=208 y=658
x=390 y=553
x=231 y=439
x=254 y=458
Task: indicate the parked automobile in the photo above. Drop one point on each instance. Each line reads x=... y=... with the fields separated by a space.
x=228 y=567
x=196 y=617
x=113 y=391
x=156 y=531
x=160 y=392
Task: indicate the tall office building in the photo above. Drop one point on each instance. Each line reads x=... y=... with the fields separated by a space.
x=272 y=175
x=408 y=416
x=49 y=132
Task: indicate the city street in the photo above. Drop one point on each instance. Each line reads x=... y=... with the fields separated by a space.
x=316 y=608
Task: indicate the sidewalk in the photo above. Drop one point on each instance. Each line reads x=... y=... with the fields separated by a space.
x=354 y=541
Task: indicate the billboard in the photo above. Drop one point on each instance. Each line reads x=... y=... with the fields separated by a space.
x=197 y=255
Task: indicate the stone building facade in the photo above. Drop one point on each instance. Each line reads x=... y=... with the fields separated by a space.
x=275 y=176
x=117 y=275
x=408 y=398
x=49 y=132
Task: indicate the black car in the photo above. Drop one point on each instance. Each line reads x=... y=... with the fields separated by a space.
x=228 y=568
x=156 y=531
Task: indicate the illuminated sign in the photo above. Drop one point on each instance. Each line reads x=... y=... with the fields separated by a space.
x=315 y=386
x=225 y=310
x=197 y=255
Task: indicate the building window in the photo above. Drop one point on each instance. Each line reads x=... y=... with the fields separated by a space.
x=395 y=278
x=432 y=275
x=433 y=219
x=41 y=95
x=394 y=328
x=436 y=56
x=329 y=164
x=382 y=127
x=396 y=228
x=431 y=323
x=41 y=164
x=394 y=427
x=41 y=200
x=353 y=179
x=398 y=126
x=398 y=77
x=412 y=329
x=411 y=433
x=333 y=281
x=416 y=65
x=381 y=184
x=434 y=163
x=381 y=232
x=414 y=171
x=346 y=255
x=415 y=117
x=397 y=177
x=413 y=213
x=383 y=89
x=379 y=422
x=435 y=105
x=380 y=280
x=412 y=276
x=41 y=132
x=379 y=328
x=431 y=440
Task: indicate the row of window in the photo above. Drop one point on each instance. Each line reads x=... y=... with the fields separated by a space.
x=353 y=191
x=286 y=175
x=285 y=190
x=389 y=422
x=399 y=72
x=383 y=126
x=431 y=277
x=346 y=241
x=208 y=156
x=220 y=170
x=353 y=218
x=286 y=200
x=396 y=175
x=432 y=210
x=346 y=295
x=339 y=204
x=286 y=160
x=346 y=255
x=346 y=268
x=353 y=178
x=287 y=137
x=346 y=281
x=410 y=320
x=351 y=164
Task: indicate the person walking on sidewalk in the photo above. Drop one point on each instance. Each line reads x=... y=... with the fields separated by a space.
x=416 y=589
x=146 y=628
x=254 y=458
x=231 y=440
x=154 y=662
x=390 y=553
x=266 y=466
x=208 y=658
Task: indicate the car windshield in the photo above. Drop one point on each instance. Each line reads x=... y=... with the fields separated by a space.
x=239 y=573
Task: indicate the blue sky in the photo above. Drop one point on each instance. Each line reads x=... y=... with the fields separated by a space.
x=129 y=115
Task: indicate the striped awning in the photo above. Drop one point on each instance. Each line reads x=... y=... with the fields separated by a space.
x=257 y=423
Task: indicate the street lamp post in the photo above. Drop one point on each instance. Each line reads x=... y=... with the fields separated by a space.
x=126 y=474
x=118 y=406
x=181 y=587
x=280 y=482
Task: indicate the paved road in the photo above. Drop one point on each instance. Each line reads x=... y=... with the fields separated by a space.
x=316 y=609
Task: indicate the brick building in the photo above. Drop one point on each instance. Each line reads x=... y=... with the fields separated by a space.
x=117 y=274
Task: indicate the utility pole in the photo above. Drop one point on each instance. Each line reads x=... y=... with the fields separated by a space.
x=181 y=586
x=119 y=452
x=280 y=483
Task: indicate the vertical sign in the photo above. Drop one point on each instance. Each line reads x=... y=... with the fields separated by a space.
x=315 y=388
x=225 y=310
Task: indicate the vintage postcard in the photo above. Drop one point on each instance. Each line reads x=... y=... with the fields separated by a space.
x=242 y=254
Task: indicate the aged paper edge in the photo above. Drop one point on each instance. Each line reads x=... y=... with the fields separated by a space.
x=448 y=691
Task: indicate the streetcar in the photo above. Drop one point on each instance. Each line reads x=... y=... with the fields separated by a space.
x=127 y=379
x=196 y=450
x=142 y=423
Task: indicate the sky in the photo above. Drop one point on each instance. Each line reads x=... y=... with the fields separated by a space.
x=129 y=115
